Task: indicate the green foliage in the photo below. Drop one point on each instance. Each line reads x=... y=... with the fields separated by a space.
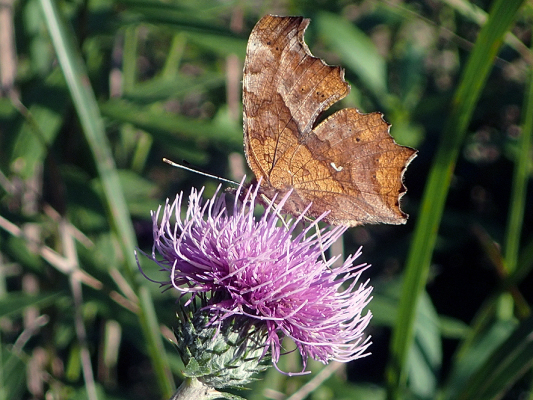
x=103 y=90
x=463 y=103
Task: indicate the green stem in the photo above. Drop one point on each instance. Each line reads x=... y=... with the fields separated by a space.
x=192 y=388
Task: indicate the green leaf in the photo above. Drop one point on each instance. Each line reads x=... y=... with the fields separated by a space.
x=425 y=357
x=201 y=23
x=173 y=87
x=16 y=302
x=474 y=357
x=139 y=193
x=12 y=374
x=46 y=102
x=151 y=119
x=17 y=249
x=494 y=364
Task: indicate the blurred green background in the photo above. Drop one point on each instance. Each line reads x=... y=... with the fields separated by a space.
x=95 y=94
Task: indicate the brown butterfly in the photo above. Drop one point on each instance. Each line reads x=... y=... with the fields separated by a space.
x=348 y=164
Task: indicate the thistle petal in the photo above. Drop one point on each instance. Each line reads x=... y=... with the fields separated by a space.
x=262 y=270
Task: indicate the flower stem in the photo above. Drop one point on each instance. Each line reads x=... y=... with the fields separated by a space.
x=192 y=388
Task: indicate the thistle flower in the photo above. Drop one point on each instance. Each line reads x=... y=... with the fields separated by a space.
x=254 y=267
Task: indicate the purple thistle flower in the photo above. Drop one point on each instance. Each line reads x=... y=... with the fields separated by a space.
x=254 y=267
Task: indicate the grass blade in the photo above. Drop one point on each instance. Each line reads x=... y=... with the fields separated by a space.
x=519 y=189
x=472 y=82
x=503 y=367
x=92 y=124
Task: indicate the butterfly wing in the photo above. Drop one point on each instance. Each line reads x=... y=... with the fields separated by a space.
x=284 y=90
x=348 y=165
x=361 y=170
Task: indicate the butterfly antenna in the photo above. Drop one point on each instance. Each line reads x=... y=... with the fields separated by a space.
x=275 y=209
x=199 y=172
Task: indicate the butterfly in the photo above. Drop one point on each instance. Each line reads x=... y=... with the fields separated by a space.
x=348 y=164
